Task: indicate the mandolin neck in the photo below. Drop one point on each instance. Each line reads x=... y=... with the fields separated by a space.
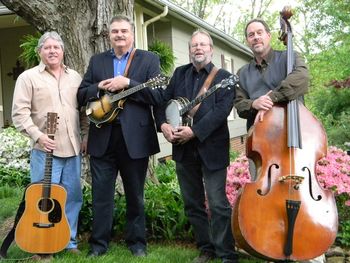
x=127 y=92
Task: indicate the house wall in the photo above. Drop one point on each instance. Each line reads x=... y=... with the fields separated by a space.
x=9 y=53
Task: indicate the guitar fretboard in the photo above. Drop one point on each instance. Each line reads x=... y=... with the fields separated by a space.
x=47 y=176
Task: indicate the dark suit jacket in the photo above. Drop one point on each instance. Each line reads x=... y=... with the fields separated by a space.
x=210 y=121
x=136 y=118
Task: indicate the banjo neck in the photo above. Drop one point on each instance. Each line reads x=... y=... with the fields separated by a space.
x=199 y=99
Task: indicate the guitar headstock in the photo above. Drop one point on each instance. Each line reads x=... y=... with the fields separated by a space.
x=231 y=81
x=160 y=81
x=51 y=124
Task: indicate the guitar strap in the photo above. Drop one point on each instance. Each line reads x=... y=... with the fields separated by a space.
x=204 y=88
x=11 y=235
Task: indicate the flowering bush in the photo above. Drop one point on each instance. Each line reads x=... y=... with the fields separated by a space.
x=333 y=172
x=237 y=176
x=14 y=150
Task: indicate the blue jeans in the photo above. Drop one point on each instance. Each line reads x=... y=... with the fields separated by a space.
x=66 y=172
x=212 y=230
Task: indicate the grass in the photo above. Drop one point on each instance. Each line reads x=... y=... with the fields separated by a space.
x=10 y=198
x=158 y=252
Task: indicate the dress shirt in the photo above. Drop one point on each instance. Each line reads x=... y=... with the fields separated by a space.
x=270 y=75
x=37 y=92
x=119 y=64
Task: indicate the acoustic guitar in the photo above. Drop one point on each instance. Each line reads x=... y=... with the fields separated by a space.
x=106 y=108
x=177 y=110
x=43 y=227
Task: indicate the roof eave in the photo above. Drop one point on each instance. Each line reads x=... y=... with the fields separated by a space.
x=195 y=21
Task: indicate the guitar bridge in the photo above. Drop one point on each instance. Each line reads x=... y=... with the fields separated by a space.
x=43 y=225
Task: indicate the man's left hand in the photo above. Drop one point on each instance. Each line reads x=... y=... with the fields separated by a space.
x=183 y=134
x=115 y=84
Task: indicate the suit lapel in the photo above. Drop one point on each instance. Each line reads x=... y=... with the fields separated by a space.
x=108 y=65
x=188 y=86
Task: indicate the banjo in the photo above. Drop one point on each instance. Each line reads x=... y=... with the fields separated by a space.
x=177 y=110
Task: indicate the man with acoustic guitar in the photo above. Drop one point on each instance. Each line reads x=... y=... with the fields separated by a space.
x=52 y=87
x=125 y=141
x=201 y=151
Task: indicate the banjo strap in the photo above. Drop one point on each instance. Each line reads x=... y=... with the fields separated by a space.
x=204 y=89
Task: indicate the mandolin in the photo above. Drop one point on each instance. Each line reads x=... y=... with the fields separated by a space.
x=106 y=108
x=43 y=227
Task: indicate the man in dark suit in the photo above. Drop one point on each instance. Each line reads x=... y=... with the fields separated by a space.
x=201 y=152
x=125 y=144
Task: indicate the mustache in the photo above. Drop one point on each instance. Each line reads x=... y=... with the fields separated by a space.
x=119 y=38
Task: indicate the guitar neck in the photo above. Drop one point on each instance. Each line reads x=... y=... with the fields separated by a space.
x=199 y=99
x=47 y=176
x=127 y=92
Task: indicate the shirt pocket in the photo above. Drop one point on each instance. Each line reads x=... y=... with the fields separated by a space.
x=42 y=95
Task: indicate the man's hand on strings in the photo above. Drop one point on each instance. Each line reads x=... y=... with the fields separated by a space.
x=114 y=84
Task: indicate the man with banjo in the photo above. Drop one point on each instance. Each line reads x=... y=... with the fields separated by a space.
x=201 y=147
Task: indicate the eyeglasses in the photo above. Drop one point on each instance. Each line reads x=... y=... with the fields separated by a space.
x=199 y=44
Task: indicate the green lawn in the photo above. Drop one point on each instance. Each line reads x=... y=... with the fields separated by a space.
x=174 y=252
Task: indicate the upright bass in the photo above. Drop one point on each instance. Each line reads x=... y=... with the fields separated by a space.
x=285 y=215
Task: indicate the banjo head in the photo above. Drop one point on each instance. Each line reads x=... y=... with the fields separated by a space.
x=172 y=111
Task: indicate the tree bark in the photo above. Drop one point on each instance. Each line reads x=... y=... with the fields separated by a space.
x=82 y=24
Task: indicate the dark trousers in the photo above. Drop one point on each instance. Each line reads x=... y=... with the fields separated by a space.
x=104 y=172
x=212 y=229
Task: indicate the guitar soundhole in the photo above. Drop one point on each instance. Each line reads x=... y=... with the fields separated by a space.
x=46 y=205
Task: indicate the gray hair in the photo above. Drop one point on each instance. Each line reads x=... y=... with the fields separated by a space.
x=52 y=35
x=121 y=17
x=257 y=20
x=201 y=31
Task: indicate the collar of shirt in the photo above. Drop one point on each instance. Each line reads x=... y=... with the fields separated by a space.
x=265 y=62
x=42 y=67
x=119 y=65
x=207 y=68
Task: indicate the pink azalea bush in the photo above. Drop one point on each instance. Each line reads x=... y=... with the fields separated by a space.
x=333 y=172
x=237 y=176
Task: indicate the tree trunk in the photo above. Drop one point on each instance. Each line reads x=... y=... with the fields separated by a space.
x=82 y=24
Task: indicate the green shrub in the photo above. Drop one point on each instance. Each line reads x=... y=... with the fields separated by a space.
x=14 y=158
x=9 y=198
x=164 y=209
x=165 y=217
x=332 y=107
x=165 y=54
x=85 y=215
x=14 y=150
x=14 y=177
x=29 y=54
x=343 y=236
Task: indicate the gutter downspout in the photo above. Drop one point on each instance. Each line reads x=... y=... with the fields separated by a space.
x=147 y=23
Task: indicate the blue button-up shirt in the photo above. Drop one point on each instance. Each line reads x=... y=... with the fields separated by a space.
x=119 y=65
